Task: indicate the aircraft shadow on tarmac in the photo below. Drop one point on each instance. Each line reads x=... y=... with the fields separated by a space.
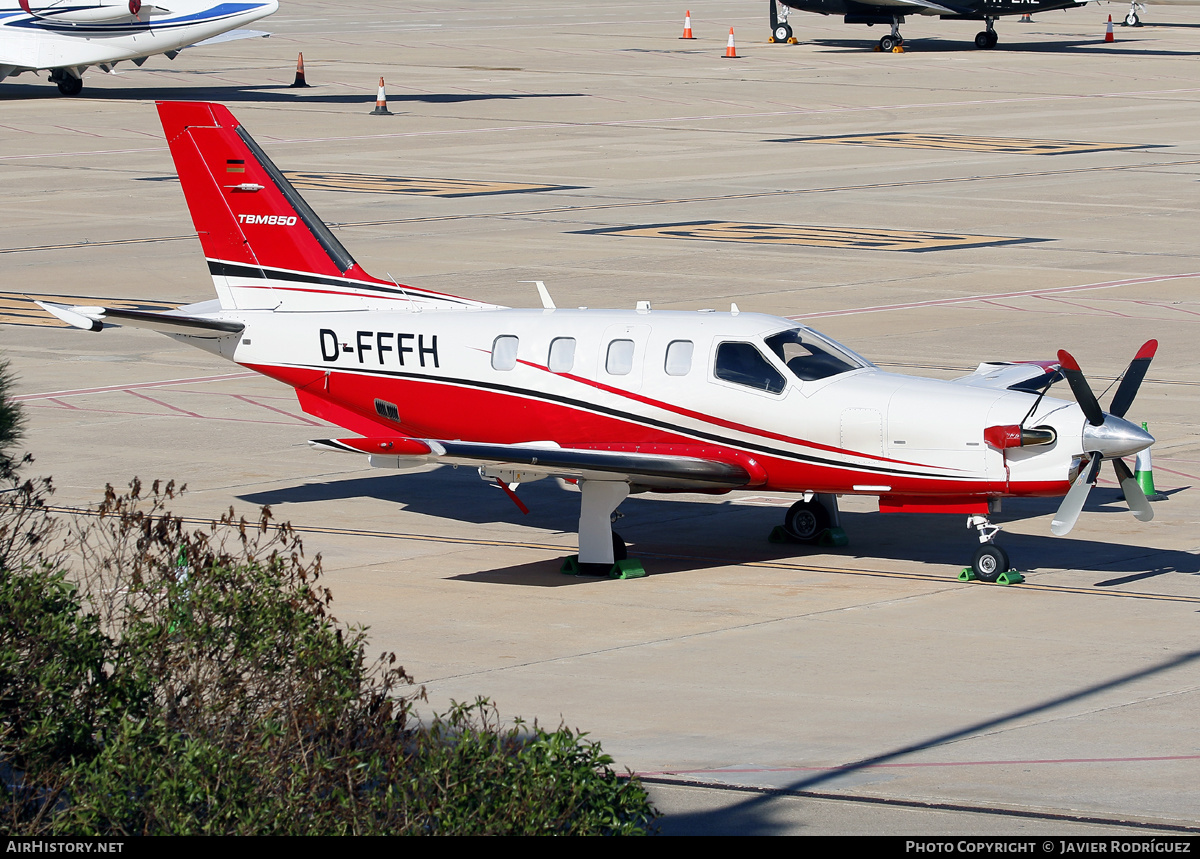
x=274 y=93
x=1089 y=46
x=677 y=535
x=754 y=816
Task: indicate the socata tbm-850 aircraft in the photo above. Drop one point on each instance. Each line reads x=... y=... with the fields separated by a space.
x=892 y=12
x=612 y=401
x=67 y=37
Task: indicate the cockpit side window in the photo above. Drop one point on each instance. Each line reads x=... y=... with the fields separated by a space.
x=807 y=357
x=743 y=364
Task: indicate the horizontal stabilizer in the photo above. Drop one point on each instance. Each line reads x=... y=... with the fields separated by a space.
x=94 y=318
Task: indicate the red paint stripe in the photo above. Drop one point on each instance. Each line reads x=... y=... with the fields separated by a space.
x=720 y=422
x=166 y=405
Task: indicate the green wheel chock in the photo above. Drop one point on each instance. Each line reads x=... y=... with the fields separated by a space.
x=833 y=537
x=630 y=568
x=779 y=534
x=1011 y=577
x=967 y=575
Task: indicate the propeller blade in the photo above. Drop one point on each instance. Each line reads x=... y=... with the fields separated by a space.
x=1081 y=389
x=1128 y=388
x=1068 y=511
x=1134 y=496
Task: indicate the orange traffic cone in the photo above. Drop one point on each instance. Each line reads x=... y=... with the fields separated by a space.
x=1108 y=34
x=1026 y=19
x=299 y=82
x=730 y=50
x=687 y=26
x=381 y=102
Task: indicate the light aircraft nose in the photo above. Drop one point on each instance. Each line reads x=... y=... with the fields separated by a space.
x=1115 y=437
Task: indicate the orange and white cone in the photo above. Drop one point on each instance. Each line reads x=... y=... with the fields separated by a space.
x=1108 y=34
x=1025 y=19
x=381 y=102
x=299 y=82
x=687 y=26
x=730 y=50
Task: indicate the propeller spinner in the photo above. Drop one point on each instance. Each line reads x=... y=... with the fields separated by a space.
x=1106 y=436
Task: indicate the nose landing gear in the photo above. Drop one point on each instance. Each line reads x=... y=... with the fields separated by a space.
x=991 y=563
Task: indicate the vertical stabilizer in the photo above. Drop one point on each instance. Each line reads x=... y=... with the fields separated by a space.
x=266 y=247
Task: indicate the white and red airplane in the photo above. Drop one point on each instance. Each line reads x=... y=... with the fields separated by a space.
x=612 y=401
x=67 y=37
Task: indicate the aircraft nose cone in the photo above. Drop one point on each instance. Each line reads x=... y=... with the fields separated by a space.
x=1115 y=437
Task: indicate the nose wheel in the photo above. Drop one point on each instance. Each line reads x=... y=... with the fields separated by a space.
x=991 y=563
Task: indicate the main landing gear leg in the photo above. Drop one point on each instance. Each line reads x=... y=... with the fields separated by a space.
x=893 y=40
x=991 y=562
x=601 y=552
x=812 y=519
x=780 y=30
x=987 y=39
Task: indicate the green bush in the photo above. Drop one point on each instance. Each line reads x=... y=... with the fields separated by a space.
x=156 y=680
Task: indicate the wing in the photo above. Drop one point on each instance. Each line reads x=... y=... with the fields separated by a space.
x=659 y=467
x=1029 y=376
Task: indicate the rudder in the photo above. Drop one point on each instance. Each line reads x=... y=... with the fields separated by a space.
x=266 y=248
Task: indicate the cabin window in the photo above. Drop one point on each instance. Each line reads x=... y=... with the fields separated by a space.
x=620 y=358
x=807 y=357
x=504 y=352
x=562 y=355
x=679 y=357
x=743 y=364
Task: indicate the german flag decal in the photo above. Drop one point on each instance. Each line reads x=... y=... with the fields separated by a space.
x=235 y=165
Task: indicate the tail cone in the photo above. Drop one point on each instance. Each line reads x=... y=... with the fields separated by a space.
x=730 y=50
x=1108 y=33
x=687 y=26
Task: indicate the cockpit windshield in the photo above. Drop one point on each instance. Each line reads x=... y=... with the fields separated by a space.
x=809 y=356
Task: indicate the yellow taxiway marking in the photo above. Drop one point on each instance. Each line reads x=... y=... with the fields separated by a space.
x=409 y=185
x=864 y=238
x=20 y=309
x=1010 y=145
x=773 y=565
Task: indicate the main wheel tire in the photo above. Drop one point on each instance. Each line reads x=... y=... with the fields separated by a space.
x=992 y=39
x=1132 y=20
x=805 y=520
x=887 y=43
x=70 y=86
x=990 y=561
x=981 y=40
x=782 y=33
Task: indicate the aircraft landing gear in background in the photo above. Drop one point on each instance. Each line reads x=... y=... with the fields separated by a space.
x=987 y=39
x=1132 y=19
x=67 y=83
x=893 y=39
x=781 y=31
